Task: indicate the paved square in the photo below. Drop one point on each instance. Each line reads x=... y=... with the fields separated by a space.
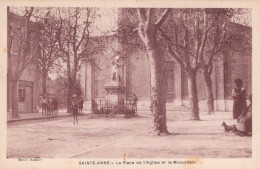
x=101 y=137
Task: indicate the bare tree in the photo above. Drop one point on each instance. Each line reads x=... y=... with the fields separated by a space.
x=214 y=41
x=49 y=49
x=194 y=37
x=75 y=42
x=22 y=38
x=219 y=37
x=186 y=44
x=148 y=27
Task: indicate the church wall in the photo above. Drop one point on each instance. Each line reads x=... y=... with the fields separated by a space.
x=138 y=79
x=102 y=69
x=235 y=62
x=229 y=64
x=238 y=60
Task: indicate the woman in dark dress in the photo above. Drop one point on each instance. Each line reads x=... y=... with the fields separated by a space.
x=239 y=95
x=244 y=121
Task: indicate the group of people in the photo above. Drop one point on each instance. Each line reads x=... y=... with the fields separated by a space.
x=241 y=111
x=49 y=106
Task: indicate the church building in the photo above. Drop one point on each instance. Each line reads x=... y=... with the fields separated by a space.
x=230 y=64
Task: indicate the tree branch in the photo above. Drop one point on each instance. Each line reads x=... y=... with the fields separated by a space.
x=172 y=52
x=150 y=12
x=161 y=20
x=59 y=37
x=187 y=48
x=84 y=31
x=141 y=14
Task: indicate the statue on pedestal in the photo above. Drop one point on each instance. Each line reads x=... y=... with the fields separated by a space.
x=115 y=89
x=117 y=68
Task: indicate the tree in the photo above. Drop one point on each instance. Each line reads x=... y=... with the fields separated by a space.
x=194 y=37
x=214 y=41
x=219 y=37
x=49 y=51
x=148 y=27
x=22 y=38
x=61 y=81
x=75 y=42
x=126 y=31
x=185 y=44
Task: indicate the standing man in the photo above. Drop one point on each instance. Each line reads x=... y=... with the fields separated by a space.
x=134 y=103
x=81 y=102
x=55 y=104
x=44 y=105
x=94 y=106
x=75 y=108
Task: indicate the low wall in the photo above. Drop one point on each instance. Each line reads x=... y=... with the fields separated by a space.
x=183 y=105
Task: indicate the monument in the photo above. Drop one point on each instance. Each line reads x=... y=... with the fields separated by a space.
x=115 y=89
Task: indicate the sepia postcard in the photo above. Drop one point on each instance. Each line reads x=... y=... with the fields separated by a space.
x=129 y=84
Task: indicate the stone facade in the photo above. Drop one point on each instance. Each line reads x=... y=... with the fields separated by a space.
x=28 y=85
x=233 y=62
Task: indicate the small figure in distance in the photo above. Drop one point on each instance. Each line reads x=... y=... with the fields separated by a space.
x=44 y=105
x=74 y=109
x=81 y=102
x=94 y=106
x=134 y=103
x=55 y=104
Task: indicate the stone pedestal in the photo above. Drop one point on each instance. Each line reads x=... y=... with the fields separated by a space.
x=115 y=94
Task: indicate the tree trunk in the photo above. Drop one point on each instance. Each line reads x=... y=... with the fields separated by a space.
x=71 y=90
x=14 y=98
x=147 y=32
x=210 y=98
x=158 y=98
x=193 y=93
x=69 y=96
x=44 y=88
x=70 y=84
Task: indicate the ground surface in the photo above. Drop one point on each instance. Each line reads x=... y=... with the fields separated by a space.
x=100 y=137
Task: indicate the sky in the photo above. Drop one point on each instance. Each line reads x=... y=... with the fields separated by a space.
x=106 y=20
x=245 y=18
